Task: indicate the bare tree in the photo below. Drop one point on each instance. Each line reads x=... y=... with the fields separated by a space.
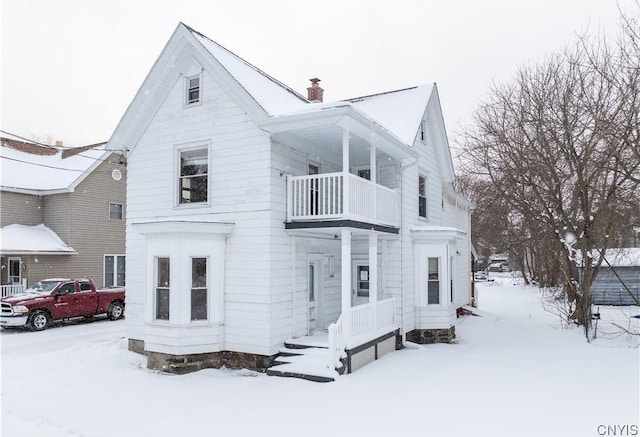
x=559 y=147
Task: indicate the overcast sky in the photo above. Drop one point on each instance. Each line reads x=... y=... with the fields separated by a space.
x=71 y=67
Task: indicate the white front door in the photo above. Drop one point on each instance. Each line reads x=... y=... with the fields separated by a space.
x=15 y=271
x=314 y=287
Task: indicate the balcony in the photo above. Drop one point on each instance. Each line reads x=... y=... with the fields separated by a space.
x=334 y=197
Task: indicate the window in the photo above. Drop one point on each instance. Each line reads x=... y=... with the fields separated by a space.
x=67 y=288
x=365 y=173
x=85 y=286
x=422 y=196
x=115 y=211
x=198 y=288
x=163 y=281
x=362 y=281
x=114 y=270
x=193 y=90
x=433 y=281
x=194 y=170
x=312 y=282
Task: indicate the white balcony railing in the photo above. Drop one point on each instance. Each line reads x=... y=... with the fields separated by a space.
x=358 y=325
x=324 y=197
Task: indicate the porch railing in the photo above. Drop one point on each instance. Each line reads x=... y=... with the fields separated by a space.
x=10 y=290
x=360 y=324
x=323 y=196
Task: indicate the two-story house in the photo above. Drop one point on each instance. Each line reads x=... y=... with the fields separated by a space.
x=257 y=216
x=62 y=214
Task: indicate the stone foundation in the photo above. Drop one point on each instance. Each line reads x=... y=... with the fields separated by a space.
x=428 y=336
x=137 y=346
x=181 y=364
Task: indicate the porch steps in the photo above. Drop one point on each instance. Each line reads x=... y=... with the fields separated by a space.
x=305 y=362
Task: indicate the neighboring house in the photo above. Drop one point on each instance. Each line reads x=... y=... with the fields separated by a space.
x=618 y=281
x=256 y=216
x=62 y=214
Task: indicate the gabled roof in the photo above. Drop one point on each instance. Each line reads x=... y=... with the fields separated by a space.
x=273 y=96
x=397 y=113
x=34 y=169
x=31 y=240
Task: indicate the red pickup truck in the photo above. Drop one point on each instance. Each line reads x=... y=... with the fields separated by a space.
x=59 y=299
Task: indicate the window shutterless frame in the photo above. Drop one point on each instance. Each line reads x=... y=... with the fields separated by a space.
x=192 y=175
x=422 y=196
x=162 y=288
x=116 y=211
x=193 y=90
x=199 y=288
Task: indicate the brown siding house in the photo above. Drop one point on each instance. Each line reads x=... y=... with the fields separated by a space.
x=79 y=196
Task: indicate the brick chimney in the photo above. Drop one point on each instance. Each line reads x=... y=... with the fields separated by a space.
x=314 y=92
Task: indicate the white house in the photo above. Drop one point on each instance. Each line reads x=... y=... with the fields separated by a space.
x=258 y=217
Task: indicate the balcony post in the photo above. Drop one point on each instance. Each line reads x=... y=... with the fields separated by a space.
x=346 y=190
x=373 y=267
x=346 y=280
x=374 y=179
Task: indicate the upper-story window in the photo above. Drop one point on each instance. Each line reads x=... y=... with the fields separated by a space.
x=115 y=211
x=193 y=90
x=422 y=196
x=194 y=176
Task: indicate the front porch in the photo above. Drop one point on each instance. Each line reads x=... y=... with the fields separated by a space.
x=306 y=357
x=343 y=310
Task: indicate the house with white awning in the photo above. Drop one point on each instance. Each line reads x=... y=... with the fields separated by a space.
x=261 y=221
x=62 y=214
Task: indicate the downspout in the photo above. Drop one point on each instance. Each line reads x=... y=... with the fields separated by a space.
x=403 y=167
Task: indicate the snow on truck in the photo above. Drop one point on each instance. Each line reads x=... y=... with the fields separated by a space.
x=58 y=299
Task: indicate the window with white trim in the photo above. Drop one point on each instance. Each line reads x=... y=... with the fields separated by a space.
x=433 y=281
x=114 y=270
x=163 y=288
x=199 y=301
x=115 y=211
x=193 y=183
x=192 y=90
x=422 y=196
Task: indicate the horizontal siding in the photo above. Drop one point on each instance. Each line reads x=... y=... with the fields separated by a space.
x=23 y=209
x=607 y=289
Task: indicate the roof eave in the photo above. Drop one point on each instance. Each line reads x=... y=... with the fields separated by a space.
x=345 y=116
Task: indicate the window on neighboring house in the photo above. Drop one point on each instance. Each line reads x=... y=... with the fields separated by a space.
x=194 y=171
x=193 y=90
x=198 y=288
x=433 y=281
x=114 y=270
x=422 y=196
x=163 y=281
x=115 y=211
x=423 y=136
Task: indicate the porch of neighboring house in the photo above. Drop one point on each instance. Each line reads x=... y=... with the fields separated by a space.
x=12 y=277
x=337 y=222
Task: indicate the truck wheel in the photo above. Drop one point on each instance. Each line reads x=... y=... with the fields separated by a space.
x=115 y=311
x=39 y=321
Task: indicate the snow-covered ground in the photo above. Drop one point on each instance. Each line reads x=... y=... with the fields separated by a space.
x=513 y=372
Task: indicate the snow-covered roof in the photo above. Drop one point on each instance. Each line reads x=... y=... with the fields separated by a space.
x=398 y=112
x=272 y=95
x=46 y=174
x=623 y=257
x=21 y=239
